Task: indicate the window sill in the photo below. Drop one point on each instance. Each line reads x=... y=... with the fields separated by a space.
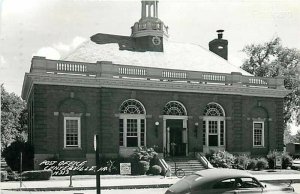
x=259 y=147
x=130 y=147
x=72 y=148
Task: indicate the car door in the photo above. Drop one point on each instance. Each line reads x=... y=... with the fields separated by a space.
x=248 y=185
x=225 y=186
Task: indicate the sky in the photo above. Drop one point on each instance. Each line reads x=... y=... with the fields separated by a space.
x=53 y=28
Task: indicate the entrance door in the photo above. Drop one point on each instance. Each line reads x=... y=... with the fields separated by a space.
x=176 y=145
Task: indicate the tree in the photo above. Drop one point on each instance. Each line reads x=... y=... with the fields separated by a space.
x=13 y=118
x=296 y=137
x=271 y=59
x=288 y=137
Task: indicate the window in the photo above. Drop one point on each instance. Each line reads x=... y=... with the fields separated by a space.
x=132 y=124
x=248 y=182
x=132 y=133
x=72 y=132
x=213 y=125
x=204 y=132
x=225 y=184
x=212 y=133
x=258 y=134
x=174 y=108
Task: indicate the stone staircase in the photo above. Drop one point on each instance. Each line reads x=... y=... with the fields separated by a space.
x=189 y=165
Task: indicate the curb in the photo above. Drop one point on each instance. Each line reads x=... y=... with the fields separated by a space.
x=281 y=181
x=117 y=187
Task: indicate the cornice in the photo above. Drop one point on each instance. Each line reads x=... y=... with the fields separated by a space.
x=139 y=84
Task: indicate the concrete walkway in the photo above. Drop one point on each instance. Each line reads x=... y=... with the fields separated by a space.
x=87 y=182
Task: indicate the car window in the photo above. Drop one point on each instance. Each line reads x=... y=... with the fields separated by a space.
x=247 y=182
x=224 y=184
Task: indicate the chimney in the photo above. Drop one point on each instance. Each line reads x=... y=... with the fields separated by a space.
x=219 y=46
x=220 y=34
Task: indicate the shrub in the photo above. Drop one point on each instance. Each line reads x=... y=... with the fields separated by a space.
x=210 y=154
x=242 y=161
x=3 y=176
x=262 y=163
x=222 y=159
x=143 y=167
x=156 y=170
x=144 y=153
x=271 y=157
x=154 y=160
x=37 y=175
x=12 y=155
x=252 y=164
x=287 y=160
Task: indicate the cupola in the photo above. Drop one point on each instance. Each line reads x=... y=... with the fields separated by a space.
x=149 y=32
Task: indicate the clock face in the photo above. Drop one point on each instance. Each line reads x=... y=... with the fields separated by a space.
x=156 y=40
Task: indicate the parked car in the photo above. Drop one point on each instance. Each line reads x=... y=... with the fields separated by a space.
x=225 y=181
x=296 y=164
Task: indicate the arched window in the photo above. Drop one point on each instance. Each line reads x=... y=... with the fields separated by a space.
x=174 y=108
x=132 y=106
x=132 y=124
x=213 y=109
x=213 y=125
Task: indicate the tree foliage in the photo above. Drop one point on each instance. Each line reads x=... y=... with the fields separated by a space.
x=12 y=155
x=13 y=118
x=296 y=137
x=272 y=59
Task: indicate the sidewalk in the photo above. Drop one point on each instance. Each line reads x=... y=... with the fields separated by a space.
x=88 y=182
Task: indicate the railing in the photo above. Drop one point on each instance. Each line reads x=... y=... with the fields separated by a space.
x=107 y=69
x=71 y=67
x=203 y=160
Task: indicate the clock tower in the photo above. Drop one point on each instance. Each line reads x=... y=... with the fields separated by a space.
x=149 y=33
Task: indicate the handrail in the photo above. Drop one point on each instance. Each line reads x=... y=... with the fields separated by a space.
x=108 y=69
x=204 y=160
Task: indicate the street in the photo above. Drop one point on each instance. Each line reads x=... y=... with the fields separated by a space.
x=127 y=191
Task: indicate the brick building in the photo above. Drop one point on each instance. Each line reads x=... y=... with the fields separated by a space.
x=143 y=90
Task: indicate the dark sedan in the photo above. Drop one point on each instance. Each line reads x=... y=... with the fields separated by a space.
x=224 y=181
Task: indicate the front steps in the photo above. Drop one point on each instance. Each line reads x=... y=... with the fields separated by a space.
x=189 y=165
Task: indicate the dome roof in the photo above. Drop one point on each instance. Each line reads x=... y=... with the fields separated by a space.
x=180 y=56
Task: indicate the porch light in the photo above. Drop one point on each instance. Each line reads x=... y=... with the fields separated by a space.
x=196 y=129
x=156 y=128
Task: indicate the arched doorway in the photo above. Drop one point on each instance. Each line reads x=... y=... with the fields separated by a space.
x=175 y=129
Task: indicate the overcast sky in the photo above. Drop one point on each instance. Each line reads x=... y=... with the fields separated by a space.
x=53 y=28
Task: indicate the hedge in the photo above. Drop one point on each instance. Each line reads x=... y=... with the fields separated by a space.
x=37 y=175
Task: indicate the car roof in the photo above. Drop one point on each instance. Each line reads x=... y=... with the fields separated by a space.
x=211 y=176
x=221 y=173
